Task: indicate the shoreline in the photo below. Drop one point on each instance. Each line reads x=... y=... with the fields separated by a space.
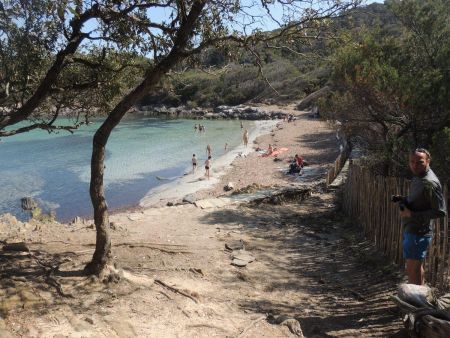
x=190 y=183
x=243 y=166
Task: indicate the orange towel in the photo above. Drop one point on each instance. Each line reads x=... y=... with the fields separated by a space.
x=276 y=152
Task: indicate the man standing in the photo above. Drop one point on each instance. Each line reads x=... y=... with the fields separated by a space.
x=424 y=203
x=245 y=137
x=207 y=166
x=194 y=163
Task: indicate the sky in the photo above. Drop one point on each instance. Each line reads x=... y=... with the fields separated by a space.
x=265 y=22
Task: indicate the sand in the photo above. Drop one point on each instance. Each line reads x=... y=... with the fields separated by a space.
x=175 y=277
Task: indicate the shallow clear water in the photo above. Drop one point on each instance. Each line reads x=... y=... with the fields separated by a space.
x=55 y=168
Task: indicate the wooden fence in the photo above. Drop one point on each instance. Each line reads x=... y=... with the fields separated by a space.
x=367 y=199
x=338 y=165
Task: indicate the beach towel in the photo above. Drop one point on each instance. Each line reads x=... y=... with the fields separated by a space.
x=274 y=153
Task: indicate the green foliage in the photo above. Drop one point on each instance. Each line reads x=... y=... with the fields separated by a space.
x=440 y=151
x=394 y=90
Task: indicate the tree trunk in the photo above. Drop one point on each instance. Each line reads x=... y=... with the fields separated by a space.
x=102 y=254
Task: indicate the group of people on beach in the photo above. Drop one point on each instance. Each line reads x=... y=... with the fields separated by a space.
x=289 y=118
x=207 y=162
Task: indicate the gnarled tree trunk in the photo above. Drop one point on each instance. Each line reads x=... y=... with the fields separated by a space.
x=102 y=254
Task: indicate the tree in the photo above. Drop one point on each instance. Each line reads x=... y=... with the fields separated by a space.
x=394 y=90
x=87 y=41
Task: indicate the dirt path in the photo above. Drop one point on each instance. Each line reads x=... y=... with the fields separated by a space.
x=174 y=274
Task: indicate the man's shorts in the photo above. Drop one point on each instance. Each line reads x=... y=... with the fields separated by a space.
x=415 y=246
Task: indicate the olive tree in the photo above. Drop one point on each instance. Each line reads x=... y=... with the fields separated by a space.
x=100 y=57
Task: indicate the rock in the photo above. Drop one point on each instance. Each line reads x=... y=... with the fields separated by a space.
x=113 y=225
x=239 y=263
x=10 y=220
x=89 y=320
x=229 y=186
x=28 y=203
x=417 y=295
x=170 y=204
x=235 y=245
x=77 y=220
x=242 y=255
x=292 y=324
x=191 y=198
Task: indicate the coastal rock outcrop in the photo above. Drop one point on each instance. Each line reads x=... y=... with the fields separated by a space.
x=221 y=112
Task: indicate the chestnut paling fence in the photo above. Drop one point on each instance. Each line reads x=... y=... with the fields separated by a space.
x=367 y=198
x=334 y=171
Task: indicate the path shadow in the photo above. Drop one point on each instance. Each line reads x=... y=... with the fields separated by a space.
x=40 y=281
x=312 y=249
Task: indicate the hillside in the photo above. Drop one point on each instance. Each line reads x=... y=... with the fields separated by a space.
x=232 y=78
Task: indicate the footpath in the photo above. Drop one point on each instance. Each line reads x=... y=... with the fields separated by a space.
x=306 y=269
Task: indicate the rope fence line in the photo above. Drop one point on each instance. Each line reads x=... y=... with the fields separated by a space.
x=367 y=199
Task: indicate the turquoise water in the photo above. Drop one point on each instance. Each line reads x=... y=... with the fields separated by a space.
x=55 y=168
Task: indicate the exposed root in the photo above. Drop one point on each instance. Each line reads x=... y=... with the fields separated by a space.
x=242 y=334
x=173 y=289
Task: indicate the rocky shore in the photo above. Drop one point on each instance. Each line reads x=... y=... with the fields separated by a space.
x=241 y=112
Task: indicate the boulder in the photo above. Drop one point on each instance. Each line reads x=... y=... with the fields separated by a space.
x=190 y=198
x=28 y=203
x=229 y=186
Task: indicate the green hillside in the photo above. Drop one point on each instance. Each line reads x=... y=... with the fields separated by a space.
x=230 y=76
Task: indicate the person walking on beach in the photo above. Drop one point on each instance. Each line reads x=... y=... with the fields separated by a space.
x=207 y=166
x=418 y=210
x=208 y=150
x=245 y=137
x=226 y=146
x=194 y=163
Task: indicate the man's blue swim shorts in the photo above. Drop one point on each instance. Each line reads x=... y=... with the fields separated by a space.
x=415 y=246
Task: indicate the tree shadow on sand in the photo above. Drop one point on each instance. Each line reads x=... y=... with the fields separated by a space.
x=40 y=281
x=313 y=265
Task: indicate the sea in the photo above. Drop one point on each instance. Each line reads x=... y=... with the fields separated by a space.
x=142 y=153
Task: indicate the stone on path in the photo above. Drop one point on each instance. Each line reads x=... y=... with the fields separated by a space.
x=243 y=255
x=212 y=203
x=241 y=258
x=235 y=245
x=190 y=198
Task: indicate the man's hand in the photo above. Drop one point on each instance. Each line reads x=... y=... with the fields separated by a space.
x=405 y=213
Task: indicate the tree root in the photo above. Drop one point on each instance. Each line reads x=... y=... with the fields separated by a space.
x=144 y=245
x=242 y=334
x=171 y=288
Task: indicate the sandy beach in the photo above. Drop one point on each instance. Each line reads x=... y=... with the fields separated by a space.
x=308 y=271
x=311 y=138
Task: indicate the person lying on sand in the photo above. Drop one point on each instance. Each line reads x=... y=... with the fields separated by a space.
x=273 y=151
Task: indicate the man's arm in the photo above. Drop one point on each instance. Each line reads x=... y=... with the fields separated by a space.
x=433 y=193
